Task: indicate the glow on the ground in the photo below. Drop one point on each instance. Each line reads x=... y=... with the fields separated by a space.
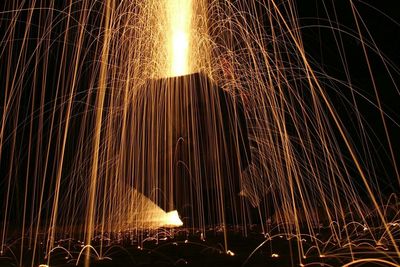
x=172 y=219
x=145 y=214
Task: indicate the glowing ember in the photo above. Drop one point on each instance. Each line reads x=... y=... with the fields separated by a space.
x=230 y=253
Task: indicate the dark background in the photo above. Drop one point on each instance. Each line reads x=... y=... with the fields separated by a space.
x=380 y=19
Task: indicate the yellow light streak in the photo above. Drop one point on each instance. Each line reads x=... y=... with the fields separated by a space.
x=179 y=13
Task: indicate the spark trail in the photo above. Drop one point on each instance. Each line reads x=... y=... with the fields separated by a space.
x=126 y=117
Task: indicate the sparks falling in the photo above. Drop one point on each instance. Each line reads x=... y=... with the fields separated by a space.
x=113 y=116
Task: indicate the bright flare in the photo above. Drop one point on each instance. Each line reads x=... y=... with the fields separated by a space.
x=172 y=219
x=179 y=35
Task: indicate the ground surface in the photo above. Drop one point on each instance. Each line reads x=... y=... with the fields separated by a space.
x=181 y=248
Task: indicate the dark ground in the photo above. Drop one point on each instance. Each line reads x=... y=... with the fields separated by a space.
x=184 y=249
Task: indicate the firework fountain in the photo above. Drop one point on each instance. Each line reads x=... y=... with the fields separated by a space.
x=127 y=117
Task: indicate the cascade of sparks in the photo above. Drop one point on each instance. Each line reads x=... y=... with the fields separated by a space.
x=99 y=135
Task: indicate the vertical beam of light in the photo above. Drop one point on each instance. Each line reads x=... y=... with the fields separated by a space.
x=179 y=13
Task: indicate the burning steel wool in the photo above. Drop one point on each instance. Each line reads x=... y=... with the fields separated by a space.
x=151 y=128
